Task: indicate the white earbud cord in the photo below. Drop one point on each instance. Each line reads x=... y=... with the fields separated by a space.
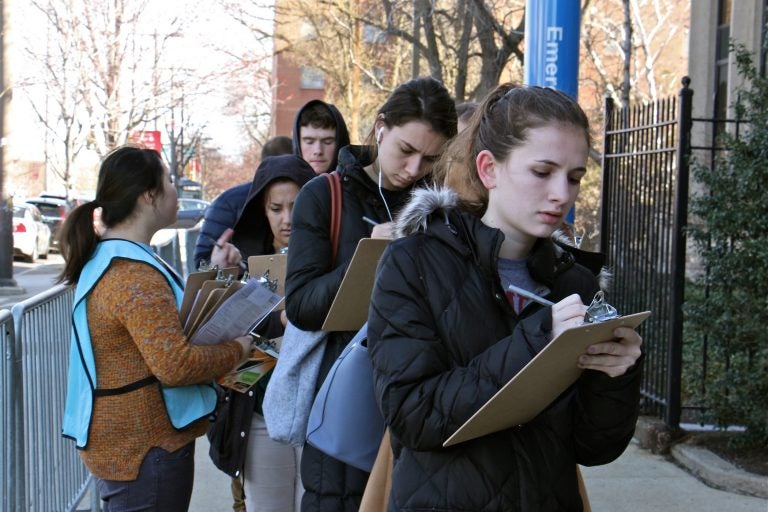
x=381 y=192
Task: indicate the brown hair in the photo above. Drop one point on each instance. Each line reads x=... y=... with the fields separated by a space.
x=419 y=99
x=501 y=124
x=124 y=175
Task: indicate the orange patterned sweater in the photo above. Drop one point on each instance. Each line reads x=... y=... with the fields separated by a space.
x=135 y=333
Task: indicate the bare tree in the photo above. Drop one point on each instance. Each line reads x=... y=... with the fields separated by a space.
x=249 y=73
x=629 y=45
x=467 y=44
x=103 y=71
x=60 y=76
x=360 y=63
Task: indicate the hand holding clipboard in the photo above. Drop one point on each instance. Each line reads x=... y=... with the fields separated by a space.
x=549 y=373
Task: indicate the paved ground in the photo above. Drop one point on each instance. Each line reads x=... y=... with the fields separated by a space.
x=636 y=482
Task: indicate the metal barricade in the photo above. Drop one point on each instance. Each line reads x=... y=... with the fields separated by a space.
x=177 y=247
x=8 y=405
x=41 y=470
x=54 y=477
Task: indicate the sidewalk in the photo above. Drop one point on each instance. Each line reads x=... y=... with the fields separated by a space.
x=638 y=481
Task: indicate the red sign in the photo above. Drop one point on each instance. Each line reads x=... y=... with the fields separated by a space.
x=150 y=139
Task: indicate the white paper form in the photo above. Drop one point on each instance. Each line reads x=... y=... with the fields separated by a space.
x=238 y=314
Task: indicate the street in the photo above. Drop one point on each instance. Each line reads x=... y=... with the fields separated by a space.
x=34 y=278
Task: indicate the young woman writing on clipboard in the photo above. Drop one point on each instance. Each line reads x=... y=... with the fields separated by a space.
x=407 y=138
x=445 y=331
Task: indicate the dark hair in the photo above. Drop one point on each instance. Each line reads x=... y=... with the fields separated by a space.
x=124 y=175
x=500 y=125
x=317 y=115
x=465 y=110
x=419 y=99
x=279 y=145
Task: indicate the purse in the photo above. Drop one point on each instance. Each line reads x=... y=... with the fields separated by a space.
x=345 y=421
x=288 y=397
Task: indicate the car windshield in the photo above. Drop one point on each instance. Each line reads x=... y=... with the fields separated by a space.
x=51 y=210
x=18 y=211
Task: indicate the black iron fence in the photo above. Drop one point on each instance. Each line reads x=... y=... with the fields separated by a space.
x=647 y=157
x=643 y=218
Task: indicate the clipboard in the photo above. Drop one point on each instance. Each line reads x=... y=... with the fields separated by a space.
x=200 y=300
x=192 y=286
x=275 y=266
x=198 y=287
x=541 y=381
x=349 y=310
x=215 y=299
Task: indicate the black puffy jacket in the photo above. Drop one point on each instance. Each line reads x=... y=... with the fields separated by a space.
x=311 y=285
x=443 y=340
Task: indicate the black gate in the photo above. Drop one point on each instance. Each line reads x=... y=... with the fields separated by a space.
x=644 y=210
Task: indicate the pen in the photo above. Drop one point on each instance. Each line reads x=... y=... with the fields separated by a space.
x=243 y=265
x=370 y=221
x=530 y=295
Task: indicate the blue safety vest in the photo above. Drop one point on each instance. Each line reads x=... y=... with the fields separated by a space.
x=184 y=404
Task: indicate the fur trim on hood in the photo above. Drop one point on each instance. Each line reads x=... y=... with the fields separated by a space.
x=423 y=203
x=431 y=200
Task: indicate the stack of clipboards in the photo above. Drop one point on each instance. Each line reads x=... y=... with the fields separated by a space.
x=217 y=307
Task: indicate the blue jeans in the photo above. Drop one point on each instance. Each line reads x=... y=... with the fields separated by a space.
x=164 y=484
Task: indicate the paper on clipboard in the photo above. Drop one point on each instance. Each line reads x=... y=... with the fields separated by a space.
x=349 y=310
x=237 y=315
x=541 y=381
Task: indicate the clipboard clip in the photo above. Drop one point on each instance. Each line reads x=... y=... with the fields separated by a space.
x=221 y=276
x=264 y=280
x=599 y=310
x=263 y=344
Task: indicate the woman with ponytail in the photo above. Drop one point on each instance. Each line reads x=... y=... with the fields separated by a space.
x=138 y=394
x=451 y=319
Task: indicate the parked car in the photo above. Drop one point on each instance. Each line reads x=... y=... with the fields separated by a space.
x=54 y=210
x=191 y=211
x=31 y=235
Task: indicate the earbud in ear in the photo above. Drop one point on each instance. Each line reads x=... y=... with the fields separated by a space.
x=378 y=135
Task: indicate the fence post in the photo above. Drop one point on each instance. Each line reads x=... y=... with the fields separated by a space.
x=675 y=356
x=18 y=472
x=605 y=188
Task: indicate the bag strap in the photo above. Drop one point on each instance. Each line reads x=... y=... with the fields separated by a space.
x=334 y=182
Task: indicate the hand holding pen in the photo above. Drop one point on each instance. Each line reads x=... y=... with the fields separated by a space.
x=225 y=254
x=380 y=230
x=567 y=313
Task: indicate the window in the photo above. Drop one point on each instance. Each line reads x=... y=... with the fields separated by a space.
x=721 y=63
x=312 y=78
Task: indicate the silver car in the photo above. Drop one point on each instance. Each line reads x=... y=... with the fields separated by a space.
x=31 y=236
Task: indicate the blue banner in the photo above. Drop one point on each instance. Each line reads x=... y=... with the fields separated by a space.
x=552 y=44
